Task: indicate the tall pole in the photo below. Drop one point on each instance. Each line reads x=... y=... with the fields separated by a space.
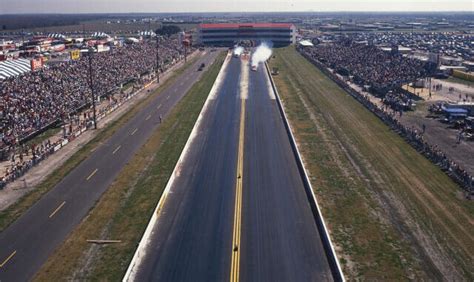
x=92 y=87
x=430 y=86
x=157 y=59
x=185 y=53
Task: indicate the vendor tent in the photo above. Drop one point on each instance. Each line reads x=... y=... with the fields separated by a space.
x=14 y=67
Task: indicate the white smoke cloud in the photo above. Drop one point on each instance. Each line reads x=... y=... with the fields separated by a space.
x=261 y=54
x=238 y=50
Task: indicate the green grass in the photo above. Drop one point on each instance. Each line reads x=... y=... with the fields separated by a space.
x=460 y=81
x=10 y=214
x=127 y=86
x=44 y=136
x=125 y=208
x=392 y=214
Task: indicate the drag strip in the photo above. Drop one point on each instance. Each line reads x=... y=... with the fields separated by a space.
x=27 y=243
x=191 y=237
x=237 y=209
x=280 y=239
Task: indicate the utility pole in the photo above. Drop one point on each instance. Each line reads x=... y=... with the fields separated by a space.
x=185 y=53
x=157 y=59
x=91 y=50
x=429 y=78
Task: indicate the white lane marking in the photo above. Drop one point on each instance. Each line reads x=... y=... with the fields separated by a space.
x=57 y=209
x=92 y=174
x=8 y=259
x=134 y=131
x=116 y=149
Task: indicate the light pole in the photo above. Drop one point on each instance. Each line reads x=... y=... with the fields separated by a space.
x=157 y=69
x=91 y=50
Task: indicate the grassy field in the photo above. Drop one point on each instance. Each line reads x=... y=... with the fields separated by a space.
x=10 y=214
x=460 y=81
x=125 y=209
x=392 y=214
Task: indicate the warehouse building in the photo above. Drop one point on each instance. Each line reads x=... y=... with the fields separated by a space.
x=228 y=34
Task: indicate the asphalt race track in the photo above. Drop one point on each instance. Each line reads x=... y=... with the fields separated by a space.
x=27 y=243
x=211 y=228
x=280 y=240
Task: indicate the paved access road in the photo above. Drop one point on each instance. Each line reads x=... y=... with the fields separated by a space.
x=231 y=174
x=27 y=243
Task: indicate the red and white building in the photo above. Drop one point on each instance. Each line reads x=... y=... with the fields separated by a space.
x=228 y=34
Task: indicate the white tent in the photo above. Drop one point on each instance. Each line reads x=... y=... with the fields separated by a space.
x=56 y=36
x=132 y=40
x=14 y=67
x=147 y=33
x=306 y=43
x=100 y=35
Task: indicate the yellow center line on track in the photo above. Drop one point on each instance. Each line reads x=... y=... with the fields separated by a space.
x=92 y=174
x=134 y=131
x=7 y=259
x=116 y=149
x=57 y=209
x=236 y=248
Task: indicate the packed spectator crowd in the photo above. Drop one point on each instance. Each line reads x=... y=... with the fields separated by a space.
x=368 y=64
x=27 y=155
x=453 y=43
x=413 y=136
x=30 y=102
x=398 y=100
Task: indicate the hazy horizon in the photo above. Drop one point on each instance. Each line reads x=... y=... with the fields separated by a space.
x=186 y=6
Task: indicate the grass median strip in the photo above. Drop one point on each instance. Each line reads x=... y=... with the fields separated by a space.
x=124 y=210
x=10 y=214
x=392 y=214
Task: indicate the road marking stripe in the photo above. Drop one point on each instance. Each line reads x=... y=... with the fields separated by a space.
x=148 y=117
x=116 y=149
x=134 y=131
x=8 y=258
x=159 y=106
x=236 y=248
x=92 y=174
x=57 y=209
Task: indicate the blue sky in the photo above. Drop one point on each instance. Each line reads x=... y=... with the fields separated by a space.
x=99 y=6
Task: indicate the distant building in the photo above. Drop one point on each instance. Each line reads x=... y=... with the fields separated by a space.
x=227 y=34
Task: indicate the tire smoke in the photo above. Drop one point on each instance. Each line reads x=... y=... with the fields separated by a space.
x=261 y=54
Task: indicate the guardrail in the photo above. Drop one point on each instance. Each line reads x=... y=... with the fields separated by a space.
x=323 y=231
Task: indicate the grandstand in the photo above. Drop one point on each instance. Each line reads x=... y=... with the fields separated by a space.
x=228 y=34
